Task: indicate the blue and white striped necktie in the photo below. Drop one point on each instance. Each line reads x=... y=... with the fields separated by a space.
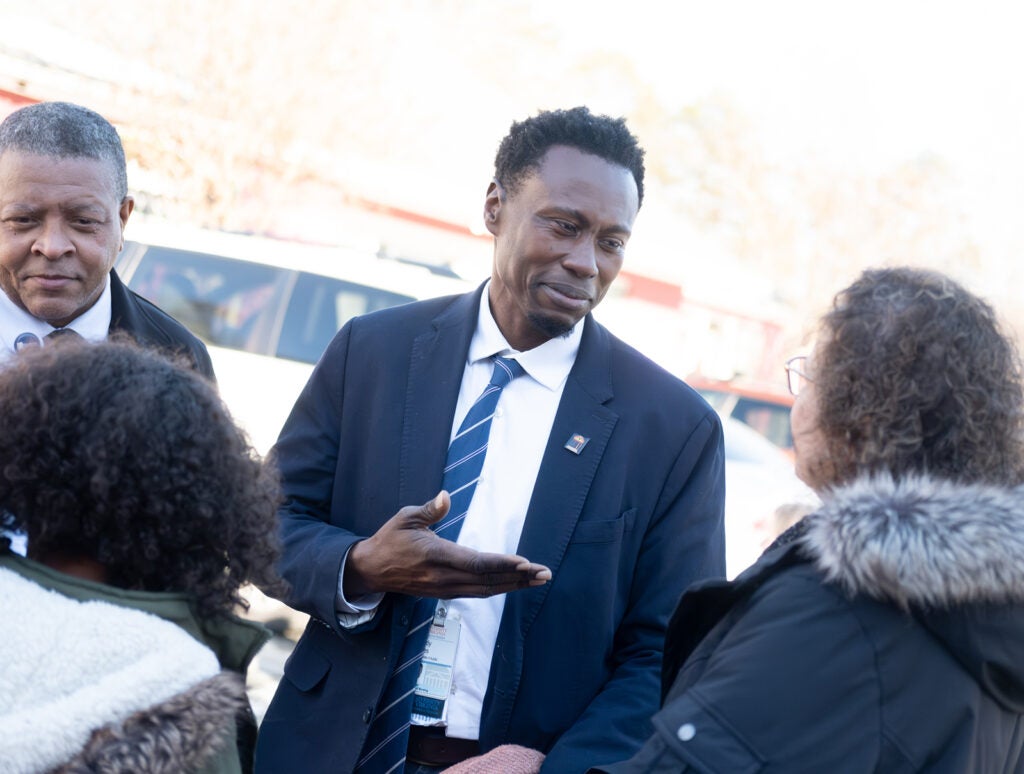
x=384 y=749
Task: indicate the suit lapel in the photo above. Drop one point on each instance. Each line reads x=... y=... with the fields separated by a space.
x=563 y=483
x=437 y=360
x=436 y=364
x=564 y=478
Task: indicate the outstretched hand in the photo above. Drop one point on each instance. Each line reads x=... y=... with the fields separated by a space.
x=406 y=557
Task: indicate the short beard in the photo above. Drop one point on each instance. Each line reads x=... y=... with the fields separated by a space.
x=553 y=329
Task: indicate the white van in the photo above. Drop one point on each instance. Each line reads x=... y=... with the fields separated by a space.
x=265 y=308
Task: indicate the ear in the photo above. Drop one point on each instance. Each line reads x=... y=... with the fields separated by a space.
x=492 y=206
x=127 y=205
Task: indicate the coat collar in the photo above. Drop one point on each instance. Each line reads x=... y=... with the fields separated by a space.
x=921 y=542
x=436 y=364
x=234 y=640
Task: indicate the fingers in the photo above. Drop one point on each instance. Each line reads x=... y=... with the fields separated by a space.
x=477 y=586
x=438 y=507
x=448 y=554
x=427 y=514
x=463 y=572
x=481 y=592
x=408 y=557
x=495 y=564
x=448 y=583
x=527 y=574
x=541 y=574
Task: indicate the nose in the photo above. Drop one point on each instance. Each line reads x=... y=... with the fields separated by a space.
x=53 y=242
x=581 y=260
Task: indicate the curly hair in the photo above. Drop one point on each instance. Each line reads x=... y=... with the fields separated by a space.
x=115 y=453
x=523 y=148
x=914 y=375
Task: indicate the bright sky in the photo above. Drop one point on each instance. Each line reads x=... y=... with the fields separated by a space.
x=869 y=78
x=868 y=83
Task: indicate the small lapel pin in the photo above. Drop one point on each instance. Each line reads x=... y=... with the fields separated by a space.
x=576 y=443
x=26 y=340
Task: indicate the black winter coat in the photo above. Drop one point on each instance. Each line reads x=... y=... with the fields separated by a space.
x=884 y=633
x=152 y=327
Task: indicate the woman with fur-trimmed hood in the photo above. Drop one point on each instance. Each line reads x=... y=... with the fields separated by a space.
x=885 y=632
x=145 y=510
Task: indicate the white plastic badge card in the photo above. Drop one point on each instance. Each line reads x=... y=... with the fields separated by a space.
x=430 y=699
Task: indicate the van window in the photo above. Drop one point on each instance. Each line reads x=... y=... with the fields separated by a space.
x=241 y=305
x=769 y=419
x=226 y=302
x=319 y=306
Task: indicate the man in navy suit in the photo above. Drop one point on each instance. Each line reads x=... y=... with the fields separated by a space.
x=599 y=501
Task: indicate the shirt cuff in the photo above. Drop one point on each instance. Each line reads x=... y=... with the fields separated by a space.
x=353 y=613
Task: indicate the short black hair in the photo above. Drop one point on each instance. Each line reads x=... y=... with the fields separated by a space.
x=112 y=452
x=65 y=130
x=523 y=148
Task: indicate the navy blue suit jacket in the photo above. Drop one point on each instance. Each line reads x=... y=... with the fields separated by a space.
x=624 y=526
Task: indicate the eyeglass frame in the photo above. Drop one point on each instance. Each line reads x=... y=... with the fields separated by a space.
x=796 y=375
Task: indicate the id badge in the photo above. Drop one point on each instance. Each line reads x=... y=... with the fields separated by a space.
x=429 y=703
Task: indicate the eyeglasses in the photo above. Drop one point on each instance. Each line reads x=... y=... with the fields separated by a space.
x=796 y=374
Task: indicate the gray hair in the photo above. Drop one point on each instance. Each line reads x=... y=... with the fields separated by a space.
x=65 y=130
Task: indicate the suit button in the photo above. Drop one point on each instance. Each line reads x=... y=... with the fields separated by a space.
x=404 y=620
x=686 y=732
x=367 y=714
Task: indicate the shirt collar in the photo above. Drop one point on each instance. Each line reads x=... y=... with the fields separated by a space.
x=92 y=325
x=549 y=364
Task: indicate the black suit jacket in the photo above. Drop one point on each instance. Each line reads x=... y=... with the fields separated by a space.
x=624 y=526
x=152 y=327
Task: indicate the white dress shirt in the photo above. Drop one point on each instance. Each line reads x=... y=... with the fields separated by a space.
x=519 y=434
x=92 y=325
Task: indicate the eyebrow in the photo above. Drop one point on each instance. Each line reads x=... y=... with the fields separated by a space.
x=80 y=206
x=21 y=206
x=575 y=214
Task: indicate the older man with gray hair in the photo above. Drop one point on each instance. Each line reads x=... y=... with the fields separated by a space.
x=64 y=204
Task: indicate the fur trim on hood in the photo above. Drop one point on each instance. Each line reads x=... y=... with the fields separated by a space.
x=72 y=666
x=180 y=734
x=921 y=542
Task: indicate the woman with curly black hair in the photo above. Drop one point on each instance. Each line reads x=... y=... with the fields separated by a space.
x=884 y=632
x=145 y=510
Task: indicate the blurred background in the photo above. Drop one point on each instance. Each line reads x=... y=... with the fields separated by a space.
x=789 y=145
